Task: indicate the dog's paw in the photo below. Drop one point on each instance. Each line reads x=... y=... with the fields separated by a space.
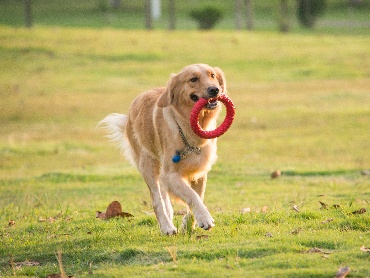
x=169 y=231
x=205 y=221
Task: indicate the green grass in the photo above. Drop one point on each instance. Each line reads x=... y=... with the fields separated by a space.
x=303 y=106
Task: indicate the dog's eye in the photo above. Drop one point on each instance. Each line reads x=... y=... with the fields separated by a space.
x=194 y=79
x=213 y=75
x=194 y=97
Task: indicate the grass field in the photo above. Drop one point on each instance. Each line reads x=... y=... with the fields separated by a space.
x=303 y=107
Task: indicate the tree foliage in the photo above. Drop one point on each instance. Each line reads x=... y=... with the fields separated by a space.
x=207 y=16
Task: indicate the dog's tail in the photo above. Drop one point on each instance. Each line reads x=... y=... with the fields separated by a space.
x=115 y=125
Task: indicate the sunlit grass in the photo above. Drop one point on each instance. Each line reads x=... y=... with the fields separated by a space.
x=302 y=107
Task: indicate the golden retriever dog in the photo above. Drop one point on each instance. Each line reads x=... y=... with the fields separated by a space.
x=157 y=128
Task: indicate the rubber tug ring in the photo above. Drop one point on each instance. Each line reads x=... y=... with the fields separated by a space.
x=210 y=134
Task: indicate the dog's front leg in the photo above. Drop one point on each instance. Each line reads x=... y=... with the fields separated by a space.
x=149 y=170
x=199 y=187
x=181 y=188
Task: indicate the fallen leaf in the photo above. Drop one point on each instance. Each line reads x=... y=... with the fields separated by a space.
x=49 y=219
x=11 y=223
x=180 y=212
x=26 y=263
x=59 y=276
x=365 y=249
x=264 y=209
x=318 y=250
x=202 y=237
x=100 y=215
x=147 y=212
x=327 y=221
x=360 y=211
x=342 y=272
x=113 y=210
x=323 y=205
x=276 y=174
x=296 y=208
x=296 y=231
x=365 y=172
x=245 y=210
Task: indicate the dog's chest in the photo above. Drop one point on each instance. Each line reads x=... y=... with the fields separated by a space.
x=196 y=164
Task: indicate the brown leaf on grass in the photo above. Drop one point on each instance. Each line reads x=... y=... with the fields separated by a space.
x=245 y=210
x=360 y=211
x=25 y=263
x=296 y=231
x=323 y=205
x=365 y=249
x=342 y=272
x=202 y=237
x=59 y=276
x=365 y=172
x=276 y=174
x=264 y=209
x=318 y=250
x=113 y=210
x=180 y=212
x=49 y=219
x=327 y=221
x=295 y=208
x=11 y=223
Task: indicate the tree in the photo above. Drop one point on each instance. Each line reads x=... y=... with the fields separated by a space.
x=238 y=14
x=249 y=5
x=284 y=16
x=248 y=14
x=172 y=16
x=28 y=13
x=148 y=15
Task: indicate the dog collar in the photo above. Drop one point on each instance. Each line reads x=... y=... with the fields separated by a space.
x=183 y=154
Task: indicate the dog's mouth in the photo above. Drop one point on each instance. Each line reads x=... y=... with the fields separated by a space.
x=212 y=104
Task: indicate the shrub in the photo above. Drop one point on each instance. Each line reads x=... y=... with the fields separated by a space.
x=207 y=16
x=309 y=10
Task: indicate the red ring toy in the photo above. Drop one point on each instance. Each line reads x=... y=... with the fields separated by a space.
x=230 y=113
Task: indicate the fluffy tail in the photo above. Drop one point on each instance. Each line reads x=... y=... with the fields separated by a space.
x=115 y=125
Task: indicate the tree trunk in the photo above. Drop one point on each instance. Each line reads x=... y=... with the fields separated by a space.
x=172 y=14
x=249 y=6
x=115 y=4
x=238 y=14
x=284 y=16
x=148 y=15
x=28 y=13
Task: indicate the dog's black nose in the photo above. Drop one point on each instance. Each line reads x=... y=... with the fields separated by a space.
x=213 y=91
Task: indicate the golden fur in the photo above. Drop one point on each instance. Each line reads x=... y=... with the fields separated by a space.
x=149 y=135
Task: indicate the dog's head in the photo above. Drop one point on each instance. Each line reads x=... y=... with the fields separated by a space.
x=192 y=83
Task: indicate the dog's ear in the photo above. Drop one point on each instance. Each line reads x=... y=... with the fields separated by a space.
x=221 y=78
x=167 y=96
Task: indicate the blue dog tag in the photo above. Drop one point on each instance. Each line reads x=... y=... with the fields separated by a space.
x=176 y=158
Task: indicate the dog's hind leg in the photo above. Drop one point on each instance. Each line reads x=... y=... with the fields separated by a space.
x=149 y=169
x=199 y=186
